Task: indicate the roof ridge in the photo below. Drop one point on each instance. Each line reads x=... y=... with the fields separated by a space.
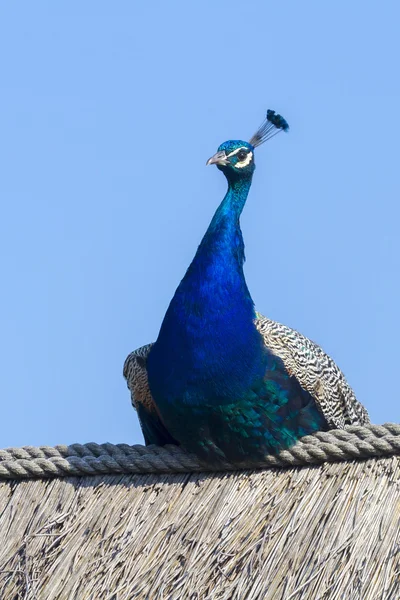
x=29 y=462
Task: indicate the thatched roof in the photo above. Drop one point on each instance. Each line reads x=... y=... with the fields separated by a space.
x=322 y=532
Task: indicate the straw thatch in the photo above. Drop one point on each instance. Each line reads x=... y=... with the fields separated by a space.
x=325 y=532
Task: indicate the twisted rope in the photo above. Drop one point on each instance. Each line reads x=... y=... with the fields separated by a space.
x=100 y=459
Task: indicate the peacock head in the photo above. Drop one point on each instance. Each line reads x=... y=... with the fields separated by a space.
x=236 y=158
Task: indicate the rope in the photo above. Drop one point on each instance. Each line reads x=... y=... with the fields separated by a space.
x=336 y=445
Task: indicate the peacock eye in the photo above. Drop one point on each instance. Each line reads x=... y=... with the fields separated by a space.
x=242 y=154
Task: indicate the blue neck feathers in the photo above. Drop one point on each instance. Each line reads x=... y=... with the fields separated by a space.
x=222 y=245
x=208 y=349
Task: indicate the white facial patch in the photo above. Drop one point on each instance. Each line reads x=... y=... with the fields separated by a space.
x=245 y=162
x=236 y=151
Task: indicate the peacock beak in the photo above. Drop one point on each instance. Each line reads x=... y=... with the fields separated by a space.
x=218 y=159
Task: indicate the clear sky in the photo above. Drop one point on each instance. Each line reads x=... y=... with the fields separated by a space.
x=108 y=112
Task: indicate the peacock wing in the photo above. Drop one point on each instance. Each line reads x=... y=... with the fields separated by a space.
x=316 y=372
x=135 y=373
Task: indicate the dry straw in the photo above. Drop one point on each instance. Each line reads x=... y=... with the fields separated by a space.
x=322 y=532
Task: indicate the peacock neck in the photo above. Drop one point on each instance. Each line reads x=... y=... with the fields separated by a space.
x=208 y=346
x=223 y=238
x=214 y=284
x=235 y=198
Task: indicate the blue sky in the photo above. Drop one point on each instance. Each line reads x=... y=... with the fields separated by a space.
x=108 y=113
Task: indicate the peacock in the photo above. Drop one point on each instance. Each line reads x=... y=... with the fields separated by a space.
x=222 y=381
